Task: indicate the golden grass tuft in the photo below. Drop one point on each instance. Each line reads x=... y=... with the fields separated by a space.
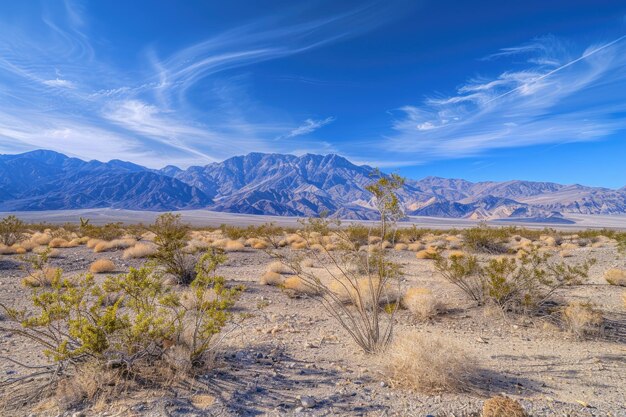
x=271 y=278
x=234 y=246
x=456 y=253
x=279 y=268
x=299 y=286
x=140 y=250
x=299 y=245
x=422 y=303
x=415 y=247
x=500 y=406
x=113 y=245
x=359 y=291
x=401 y=246
x=59 y=242
x=307 y=263
x=427 y=363
x=582 y=318
x=426 y=254
x=41 y=238
x=101 y=266
x=615 y=276
x=42 y=278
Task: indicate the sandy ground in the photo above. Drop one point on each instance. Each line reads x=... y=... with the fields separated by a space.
x=288 y=347
x=207 y=218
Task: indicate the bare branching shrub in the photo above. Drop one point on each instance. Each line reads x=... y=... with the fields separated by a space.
x=615 y=276
x=500 y=406
x=171 y=237
x=428 y=363
x=11 y=230
x=127 y=325
x=353 y=286
x=582 y=319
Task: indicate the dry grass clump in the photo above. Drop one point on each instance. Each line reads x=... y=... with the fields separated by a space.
x=11 y=250
x=271 y=278
x=427 y=363
x=421 y=303
x=359 y=291
x=140 y=250
x=566 y=254
x=569 y=246
x=500 y=406
x=415 y=247
x=113 y=245
x=101 y=266
x=582 y=318
x=299 y=245
x=234 y=246
x=456 y=253
x=307 y=263
x=429 y=253
x=42 y=278
x=59 y=242
x=615 y=276
x=401 y=246
x=299 y=286
x=279 y=268
x=41 y=238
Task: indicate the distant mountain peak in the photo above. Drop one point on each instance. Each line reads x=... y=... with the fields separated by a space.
x=278 y=184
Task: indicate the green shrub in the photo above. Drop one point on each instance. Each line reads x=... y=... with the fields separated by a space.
x=486 y=239
x=11 y=230
x=171 y=237
x=109 y=231
x=130 y=322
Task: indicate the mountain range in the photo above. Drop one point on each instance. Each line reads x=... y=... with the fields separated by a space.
x=276 y=184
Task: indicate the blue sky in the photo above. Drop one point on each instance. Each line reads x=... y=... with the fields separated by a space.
x=484 y=90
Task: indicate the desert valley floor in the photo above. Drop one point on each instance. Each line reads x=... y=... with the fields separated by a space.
x=284 y=348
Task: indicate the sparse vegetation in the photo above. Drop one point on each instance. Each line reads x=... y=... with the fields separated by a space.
x=102 y=266
x=11 y=230
x=615 y=276
x=428 y=363
x=171 y=237
x=582 y=319
x=501 y=406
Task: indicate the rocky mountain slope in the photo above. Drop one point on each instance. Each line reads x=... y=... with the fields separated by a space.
x=277 y=184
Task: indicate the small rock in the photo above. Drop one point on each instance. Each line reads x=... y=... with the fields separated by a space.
x=307 y=402
x=383 y=384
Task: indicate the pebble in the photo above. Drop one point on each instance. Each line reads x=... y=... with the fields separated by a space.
x=307 y=402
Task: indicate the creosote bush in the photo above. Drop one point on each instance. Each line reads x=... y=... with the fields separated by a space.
x=11 y=230
x=129 y=325
x=171 y=237
x=524 y=284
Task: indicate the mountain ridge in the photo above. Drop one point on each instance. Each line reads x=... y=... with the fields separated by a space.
x=278 y=184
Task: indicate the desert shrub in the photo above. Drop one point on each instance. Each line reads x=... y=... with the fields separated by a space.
x=134 y=335
x=421 y=303
x=109 y=231
x=11 y=230
x=501 y=406
x=530 y=282
x=357 y=293
x=465 y=273
x=615 y=276
x=582 y=319
x=171 y=237
x=38 y=271
x=525 y=284
x=101 y=266
x=486 y=239
x=428 y=363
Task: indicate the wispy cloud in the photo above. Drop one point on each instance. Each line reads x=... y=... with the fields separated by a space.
x=55 y=91
x=309 y=126
x=558 y=95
